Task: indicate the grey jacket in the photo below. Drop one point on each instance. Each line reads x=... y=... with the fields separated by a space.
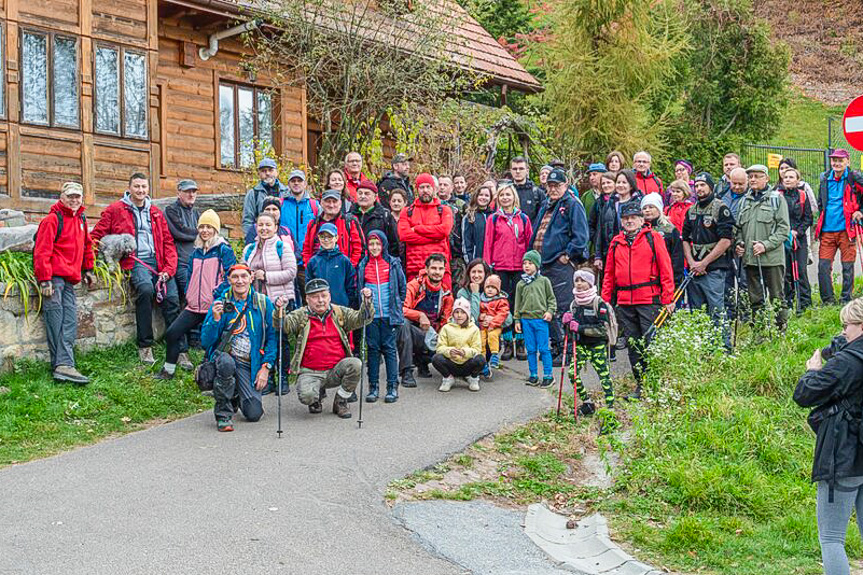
x=183 y=225
x=253 y=204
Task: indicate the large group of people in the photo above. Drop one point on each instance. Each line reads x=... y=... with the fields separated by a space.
x=422 y=272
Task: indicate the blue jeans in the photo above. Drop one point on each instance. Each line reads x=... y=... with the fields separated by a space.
x=144 y=282
x=709 y=290
x=234 y=382
x=381 y=339
x=833 y=521
x=536 y=339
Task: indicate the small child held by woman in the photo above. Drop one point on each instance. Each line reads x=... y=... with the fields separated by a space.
x=534 y=307
x=493 y=310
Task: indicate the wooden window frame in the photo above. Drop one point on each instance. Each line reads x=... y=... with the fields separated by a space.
x=235 y=87
x=121 y=51
x=3 y=51
x=49 y=36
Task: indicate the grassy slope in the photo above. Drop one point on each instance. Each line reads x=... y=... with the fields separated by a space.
x=40 y=418
x=805 y=123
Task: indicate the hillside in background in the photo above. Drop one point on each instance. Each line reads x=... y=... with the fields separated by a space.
x=826 y=40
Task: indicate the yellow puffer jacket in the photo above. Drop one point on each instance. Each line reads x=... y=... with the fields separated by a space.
x=453 y=336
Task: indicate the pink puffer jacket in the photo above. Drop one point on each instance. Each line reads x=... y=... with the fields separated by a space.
x=280 y=272
x=506 y=240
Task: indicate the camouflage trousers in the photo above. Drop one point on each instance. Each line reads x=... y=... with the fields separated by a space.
x=597 y=355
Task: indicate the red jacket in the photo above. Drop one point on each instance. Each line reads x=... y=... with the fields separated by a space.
x=351 y=186
x=496 y=309
x=634 y=275
x=350 y=244
x=502 y=250
x=71 y=254
x=119 y=219
x=418 y=289
x=850 y=200
x=650 y=184
x=676 y=213
x=424 y=229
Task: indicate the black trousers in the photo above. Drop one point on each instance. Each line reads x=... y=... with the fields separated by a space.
x=801 y=256
x=447 y=367
x=176 y=333
x=561 y=283
x=634 y=321
x=410 y=341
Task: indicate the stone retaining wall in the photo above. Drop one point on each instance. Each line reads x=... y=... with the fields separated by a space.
x=101 y=322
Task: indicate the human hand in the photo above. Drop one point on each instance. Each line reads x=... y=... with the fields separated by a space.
x=46 y=289
x=164 y=275
x=670 y=307
x=815 y=362
x=262 y=377
x=367 y=293
x=455 y=352
x=517 y=327
x=546 y=316
x=857 y=216
x=564 y=259
x=794 y=234
x=474 y=287
x=218 y=310
x=739 y=251
x=425 y=324
x=89 y=278
x=698 y=268
x=597 y=263
x=567 y=318
x=758 y=248
x=259 y=275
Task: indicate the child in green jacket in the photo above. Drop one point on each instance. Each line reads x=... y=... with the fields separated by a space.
x=534 y=307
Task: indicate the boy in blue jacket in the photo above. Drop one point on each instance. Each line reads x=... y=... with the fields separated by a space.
x=383 y=274
x=331 y=264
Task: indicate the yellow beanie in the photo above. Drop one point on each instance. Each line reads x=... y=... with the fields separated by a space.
x=210 y=218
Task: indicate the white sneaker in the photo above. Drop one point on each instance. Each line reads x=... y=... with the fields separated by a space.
x=473 y=383
x=446 y=383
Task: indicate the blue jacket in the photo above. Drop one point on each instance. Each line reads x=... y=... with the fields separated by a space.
x=261 y=332
x=296 y=216
x=567 y=231
x=397 y=284
x=335 y=267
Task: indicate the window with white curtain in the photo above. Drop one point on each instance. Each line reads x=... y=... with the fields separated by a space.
x=245 y=124
x=49 y=79
x=120 y=96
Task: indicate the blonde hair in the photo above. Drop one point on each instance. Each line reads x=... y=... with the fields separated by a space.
x=852 y=313
x=516 y=204
x=680 y=186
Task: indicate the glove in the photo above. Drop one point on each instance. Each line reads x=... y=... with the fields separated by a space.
x=46 y=289
x=567 y=318
x=573 y=327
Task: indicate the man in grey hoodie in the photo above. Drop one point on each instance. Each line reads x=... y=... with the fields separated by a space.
x=182 y=217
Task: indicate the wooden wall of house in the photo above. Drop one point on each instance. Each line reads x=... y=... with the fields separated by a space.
x=182 y=107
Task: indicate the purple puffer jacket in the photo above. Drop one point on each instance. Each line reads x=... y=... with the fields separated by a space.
x=506 y=240
x=207 y=273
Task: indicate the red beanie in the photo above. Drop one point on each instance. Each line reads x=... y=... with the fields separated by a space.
x=425 y=178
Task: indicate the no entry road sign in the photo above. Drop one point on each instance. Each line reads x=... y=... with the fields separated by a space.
x=852 y=123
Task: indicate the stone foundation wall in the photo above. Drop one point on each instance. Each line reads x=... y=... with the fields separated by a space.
x=101 y=322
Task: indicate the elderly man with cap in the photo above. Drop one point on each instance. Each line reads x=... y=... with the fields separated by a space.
x=269 y=186
x=560 y=235
x=350 y=233
x=322 y=356
x=708 y=232
x=762 y=230
x=62 y=256
x=373 y=216
x=840 y=195
x=398 y=178
x=639 y=277
x=182 y=217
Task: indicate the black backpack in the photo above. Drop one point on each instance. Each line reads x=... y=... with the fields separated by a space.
x=60 y=225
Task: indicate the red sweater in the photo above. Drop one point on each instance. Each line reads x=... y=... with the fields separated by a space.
x=71 y=254
x=323 y=346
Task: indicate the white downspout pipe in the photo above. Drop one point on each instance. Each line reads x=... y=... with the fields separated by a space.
x=213 y=40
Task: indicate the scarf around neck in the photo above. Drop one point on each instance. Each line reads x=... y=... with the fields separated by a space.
x=584 y=297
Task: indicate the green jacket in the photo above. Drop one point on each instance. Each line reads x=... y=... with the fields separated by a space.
x=533 y=299
x=345 y=318
x=763 y=218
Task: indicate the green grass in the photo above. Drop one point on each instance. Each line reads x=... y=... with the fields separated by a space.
x=804 y=124
x=39 y=418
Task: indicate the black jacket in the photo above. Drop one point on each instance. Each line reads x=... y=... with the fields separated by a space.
x=530 y=198
x=390 y=182
x=836 y=394
x=473 y=234
x=608 y=224
x=799 y=216
x=379 y=218
x=674 y=245
x=183 y=225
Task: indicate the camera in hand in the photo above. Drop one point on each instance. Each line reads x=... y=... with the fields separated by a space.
x=230 y=307
x=836 y=344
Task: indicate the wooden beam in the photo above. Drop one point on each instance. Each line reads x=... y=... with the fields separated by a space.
x=163 y=130
x=189 y=55
x=153 y=24
x=88 y=170
x=305 y=128
x=13 y=159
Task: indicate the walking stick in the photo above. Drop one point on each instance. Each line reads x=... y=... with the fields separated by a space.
x=562 y=370
x=859 y=241
x=664 y=314
x=281 y=370
x=736 y=301
x=362 y=377
x=795 y=273
x=761 y=279
x=575 y=373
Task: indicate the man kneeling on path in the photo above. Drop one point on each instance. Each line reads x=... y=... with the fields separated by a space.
x=239 y=337
x=322 y=357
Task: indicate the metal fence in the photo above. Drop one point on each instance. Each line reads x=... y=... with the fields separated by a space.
x=811 y=162
x=836 y=139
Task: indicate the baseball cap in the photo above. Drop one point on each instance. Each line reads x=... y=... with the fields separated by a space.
x=630 y=209
x=186 y=185
x=297 y=174
x=840 y=153
x=72 y=189
x=332 y=194
x=556 y=176
x=267 y=163
x=597 y=167
x=328 y=229
x=399 y=158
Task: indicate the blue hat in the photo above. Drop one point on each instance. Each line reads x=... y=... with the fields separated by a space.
x=267 y=163
x=597 y=167
x=331 y=194
x=328 y=229
x=556 y=176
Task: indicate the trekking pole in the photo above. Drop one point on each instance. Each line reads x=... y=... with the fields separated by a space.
x=795 y=273
x=761 y=279
x=664 y=314
x=736 y=302
x=562 y=370
x=362 y=376
x=575 y=379
x=859 y=241
x=281 y=370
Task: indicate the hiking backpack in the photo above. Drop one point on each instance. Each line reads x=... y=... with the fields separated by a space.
x=60 y=225
x=612 y=319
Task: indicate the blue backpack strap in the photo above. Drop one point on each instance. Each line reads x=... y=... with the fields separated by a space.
x=279 y=248
x=247 y=251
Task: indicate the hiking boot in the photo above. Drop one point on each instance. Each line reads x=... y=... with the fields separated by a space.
x=235 y=403
x=635 y=395
x=183 y=362
x=163 y=374
x=70 y=374
x=225 y=424
x=532 y=381
x=520 y=350
x=423 y=371
x=621 y=343
x=494 y=361
x=340 y=407
x=506 y=350
x=446 y=383
x=408 y=378
x=372 y=396
x=392 y=395
x=473 y=383
x=317 y=406
x=586 y=409
x=145 y=355
x=547 y=381
x=557 y=360
x=352 y=398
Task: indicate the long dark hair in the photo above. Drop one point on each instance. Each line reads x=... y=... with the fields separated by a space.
x=630 y=177
x=465 y=281
x=473 y=206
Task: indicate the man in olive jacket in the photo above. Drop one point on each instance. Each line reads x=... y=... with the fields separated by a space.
x=762 y=230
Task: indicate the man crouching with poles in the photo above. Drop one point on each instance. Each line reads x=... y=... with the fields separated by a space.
x=322 y=356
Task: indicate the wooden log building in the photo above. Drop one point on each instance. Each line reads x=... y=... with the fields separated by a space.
x=95 y=90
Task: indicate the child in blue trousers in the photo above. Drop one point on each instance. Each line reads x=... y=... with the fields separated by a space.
x=534 y=308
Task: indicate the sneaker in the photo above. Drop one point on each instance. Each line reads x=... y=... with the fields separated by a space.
x=70 y=374
x=586 y=409
x=183 y=362
x=164 y=375
x=486 y=373
x=145 y=355
x=506 y=350
x=408 y=378
x=340 y=407
x=494 y=362
x=423 y=371
x=225 y=424
x=372 y=396
x=473 y=383
x=547 y=381
x=520 y=350
x=532 y=381
x=446 y=383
